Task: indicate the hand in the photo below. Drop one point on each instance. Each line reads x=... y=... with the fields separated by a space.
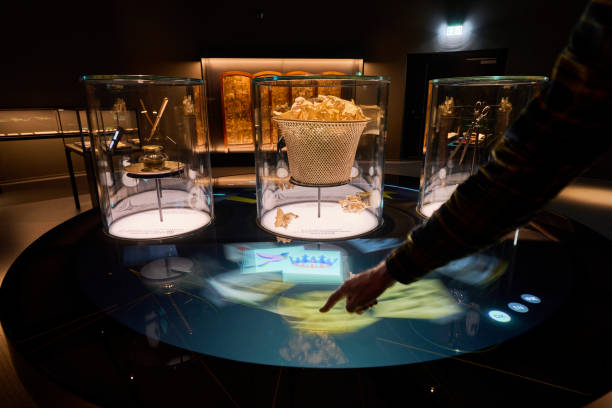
x=362 y=290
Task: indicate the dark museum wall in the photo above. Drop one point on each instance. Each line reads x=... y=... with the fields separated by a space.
x=48 y=46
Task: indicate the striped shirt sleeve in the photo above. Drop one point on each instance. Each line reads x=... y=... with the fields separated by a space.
x=558 y=135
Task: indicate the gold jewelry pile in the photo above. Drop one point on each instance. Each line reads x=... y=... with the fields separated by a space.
x=326 y=108
x=355 y=203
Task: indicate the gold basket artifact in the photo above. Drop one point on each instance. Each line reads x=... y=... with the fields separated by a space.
x=321 y=153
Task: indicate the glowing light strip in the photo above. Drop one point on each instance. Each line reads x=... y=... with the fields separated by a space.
x=403 y=188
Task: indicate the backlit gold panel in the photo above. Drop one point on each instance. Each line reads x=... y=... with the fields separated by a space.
x=200 y=115
x=330 y=90
x=236 y=102
x=306 y=91
x=275 y=97
x=236 y=105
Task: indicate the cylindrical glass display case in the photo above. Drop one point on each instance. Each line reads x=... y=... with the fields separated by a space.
x=465 y=118
x=151 y=152
x=319 y=156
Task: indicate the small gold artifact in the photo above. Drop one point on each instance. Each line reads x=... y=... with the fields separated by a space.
x=282 y=219
x=356 y=203
x=154 y=157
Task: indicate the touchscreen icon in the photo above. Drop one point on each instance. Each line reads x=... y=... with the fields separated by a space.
x=530 y=298
x=518 y=307
x=499 y=316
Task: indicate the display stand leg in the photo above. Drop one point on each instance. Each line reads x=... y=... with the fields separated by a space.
x=178 y=311
x=75 y=193
x=475 y=157
x=91 y=178
x=159 y=195
x=319 y=202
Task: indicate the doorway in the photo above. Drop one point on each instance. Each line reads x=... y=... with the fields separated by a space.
x=420 y=68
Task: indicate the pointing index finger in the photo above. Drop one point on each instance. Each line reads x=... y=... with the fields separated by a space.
x=333 y=299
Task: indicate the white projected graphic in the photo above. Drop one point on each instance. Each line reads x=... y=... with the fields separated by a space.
x=530 y=298
x=518 y=307
x=499 y=316
x=261 y=260
x=296 y=264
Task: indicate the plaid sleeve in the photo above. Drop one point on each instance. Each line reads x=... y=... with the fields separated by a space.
x=558 y=135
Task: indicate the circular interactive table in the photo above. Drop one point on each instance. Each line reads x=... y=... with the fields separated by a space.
x=228 y=316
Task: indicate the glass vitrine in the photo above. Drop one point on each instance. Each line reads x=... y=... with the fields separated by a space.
x=151 y=154
x=322 y=176
x=465 y=118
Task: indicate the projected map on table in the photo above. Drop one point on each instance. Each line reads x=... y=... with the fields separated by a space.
x=259 y=302
x=296 y=264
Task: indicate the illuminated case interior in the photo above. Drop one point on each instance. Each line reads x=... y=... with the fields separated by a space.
x=320 y=180
x=151 y=154
x=465 y=118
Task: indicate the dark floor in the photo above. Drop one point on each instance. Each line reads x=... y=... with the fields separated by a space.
x=43 y=190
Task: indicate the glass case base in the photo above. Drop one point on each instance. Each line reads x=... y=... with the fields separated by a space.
x=147 y=224
x=427 y=210
x=334 y=223
x=435 y=199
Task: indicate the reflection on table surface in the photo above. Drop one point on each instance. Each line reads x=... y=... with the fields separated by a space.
x=217 y=295
x=235 y=300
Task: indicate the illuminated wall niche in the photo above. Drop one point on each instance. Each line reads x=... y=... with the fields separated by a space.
x=228 y=87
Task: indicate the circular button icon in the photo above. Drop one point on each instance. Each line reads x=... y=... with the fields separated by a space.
x=499 y=316
x=518 y=307
x=530 y=298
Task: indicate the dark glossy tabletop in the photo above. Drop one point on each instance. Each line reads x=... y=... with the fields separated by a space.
x=228 y=317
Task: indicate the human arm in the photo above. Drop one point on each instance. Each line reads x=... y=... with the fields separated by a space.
x=361 y=291
x=559 y=134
